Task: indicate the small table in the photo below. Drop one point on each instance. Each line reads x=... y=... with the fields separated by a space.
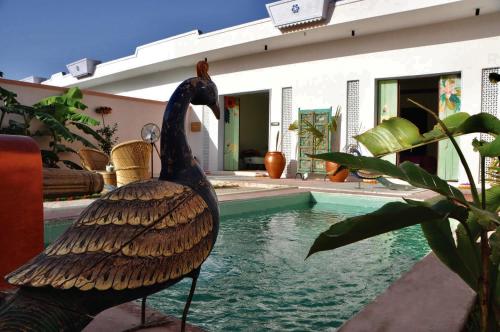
x=109 y=177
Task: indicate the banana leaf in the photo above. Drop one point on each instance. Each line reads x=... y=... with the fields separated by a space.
x=82 y=118
x=398 y=134
x=85 y=142
x=87 y=130
x=407 y=171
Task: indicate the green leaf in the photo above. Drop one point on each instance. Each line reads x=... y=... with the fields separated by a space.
x=63 y=148
x=49 y=158
x=71 y=164
x=82 y=118
x=293 y=126
x=491 y=149
x=495 y=247
x=392 y=135
x=87 y=130
x=398 y=134
x=390 y=217
x=51 y=122
x=85 y=142
x=488 y=220
x=440 y=239
x=444 y=207
x=407 y=171
x=74 y=93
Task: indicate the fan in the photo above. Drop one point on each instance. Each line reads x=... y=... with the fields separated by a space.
x=150 y=133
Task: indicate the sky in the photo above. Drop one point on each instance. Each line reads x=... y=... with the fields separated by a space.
x=39 y=37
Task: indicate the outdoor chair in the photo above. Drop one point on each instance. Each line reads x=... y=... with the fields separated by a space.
x=93 y=160
x=131 y=160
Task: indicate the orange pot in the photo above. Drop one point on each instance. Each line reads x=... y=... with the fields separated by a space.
x=275 y=164
x=331 y=167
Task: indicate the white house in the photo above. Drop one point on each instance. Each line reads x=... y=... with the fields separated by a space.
x=366 y=56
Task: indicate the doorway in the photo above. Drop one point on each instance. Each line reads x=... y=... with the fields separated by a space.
x=440 y=93
x=246 y=130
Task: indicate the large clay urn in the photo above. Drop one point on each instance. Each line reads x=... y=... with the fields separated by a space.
x=275 y=164
x=331 y=167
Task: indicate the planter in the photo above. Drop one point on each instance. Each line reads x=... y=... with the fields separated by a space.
x=275 y=164
x=331 y=167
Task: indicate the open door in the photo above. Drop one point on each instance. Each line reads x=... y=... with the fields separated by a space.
x=231 y=133
x=449 y=103
x=388 y=92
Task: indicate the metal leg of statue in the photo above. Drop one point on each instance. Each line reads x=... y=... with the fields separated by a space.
x=152 y=323
x=143 y=311
x=196 y=273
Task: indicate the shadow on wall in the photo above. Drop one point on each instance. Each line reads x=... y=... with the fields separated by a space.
x=291 y=169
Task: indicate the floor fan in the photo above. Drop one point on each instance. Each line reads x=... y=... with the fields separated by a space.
x=150 y=133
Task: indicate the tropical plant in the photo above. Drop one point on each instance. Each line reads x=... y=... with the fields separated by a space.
x=57 y=115
x=109 y=139
x=475 y=254
x=318 y=136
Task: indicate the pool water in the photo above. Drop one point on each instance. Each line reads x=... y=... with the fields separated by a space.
x=256 y=278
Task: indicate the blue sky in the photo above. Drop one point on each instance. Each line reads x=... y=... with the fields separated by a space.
x=39 y=37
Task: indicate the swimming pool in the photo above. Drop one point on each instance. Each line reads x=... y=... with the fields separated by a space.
x=257 y=279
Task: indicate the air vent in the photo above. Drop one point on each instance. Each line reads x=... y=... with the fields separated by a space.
x=287 y=13
x=33 y=79
x=82 y=68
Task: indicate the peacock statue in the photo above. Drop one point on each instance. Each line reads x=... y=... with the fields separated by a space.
x=133 y=242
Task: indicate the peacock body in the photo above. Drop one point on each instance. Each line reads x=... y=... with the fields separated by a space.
x=133 y=242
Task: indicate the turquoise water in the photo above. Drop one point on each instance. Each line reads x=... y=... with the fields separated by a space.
x=256 y=279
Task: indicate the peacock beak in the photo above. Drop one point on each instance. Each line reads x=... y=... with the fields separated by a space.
x=215 y=108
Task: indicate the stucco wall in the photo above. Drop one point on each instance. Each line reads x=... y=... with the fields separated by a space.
x=130 y=113
x=318 y=73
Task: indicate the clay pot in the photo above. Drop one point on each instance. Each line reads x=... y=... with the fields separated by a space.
x=275 y=164
x=331 y=167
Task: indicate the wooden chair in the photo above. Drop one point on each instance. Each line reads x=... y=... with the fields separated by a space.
x=93 y=160
x=131 y=160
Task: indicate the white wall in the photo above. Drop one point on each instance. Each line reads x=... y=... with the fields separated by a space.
x=318 y=73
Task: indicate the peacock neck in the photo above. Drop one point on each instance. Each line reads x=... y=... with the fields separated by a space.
x=177 y=162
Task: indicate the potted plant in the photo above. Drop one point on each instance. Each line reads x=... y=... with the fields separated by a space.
x=335 y=172
x=473 y=252
x=275 y=161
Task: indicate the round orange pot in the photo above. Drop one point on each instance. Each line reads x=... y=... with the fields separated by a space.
x=275 y=164
x=331 y=167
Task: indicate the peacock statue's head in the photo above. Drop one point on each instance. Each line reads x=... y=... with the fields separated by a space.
x=206 y=94
x=205 y=90
x=177 y=160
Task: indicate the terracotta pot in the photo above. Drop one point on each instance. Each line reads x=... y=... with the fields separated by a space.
x=331 y=167
x=275 y=164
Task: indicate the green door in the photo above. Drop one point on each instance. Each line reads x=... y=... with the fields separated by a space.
x=450 y=92
x=231 y=133
x=308 y=144
x=388 y=92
